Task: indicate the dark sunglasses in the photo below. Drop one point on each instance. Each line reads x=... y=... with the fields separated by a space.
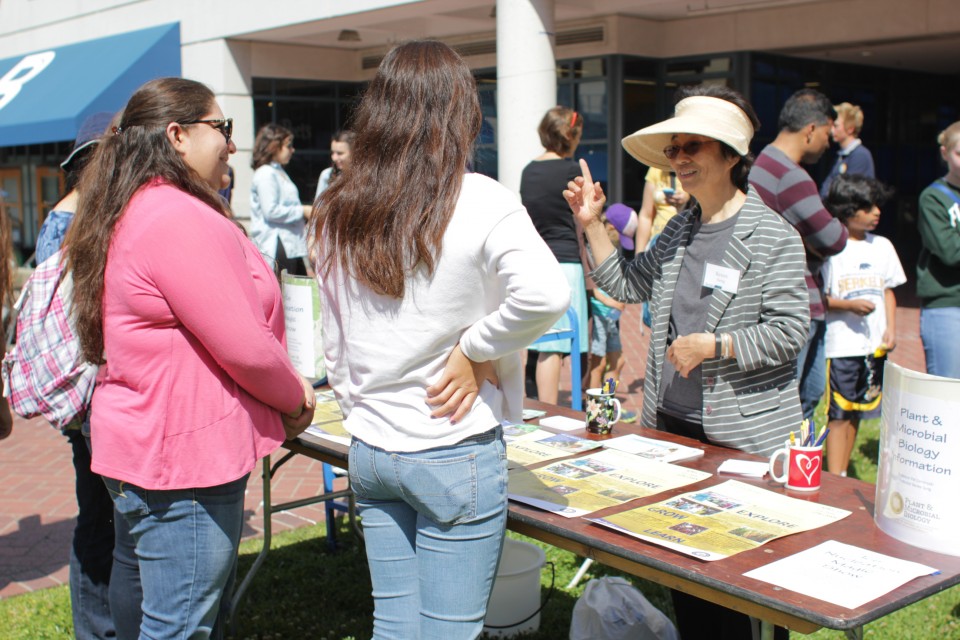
x=223 y=125
x=690 y=148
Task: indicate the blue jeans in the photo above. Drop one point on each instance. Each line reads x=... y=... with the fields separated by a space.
x=186 y=546
x=126 y=595
x=91 y=553
x=938 y=331
x=812 y=368
x=434 y=523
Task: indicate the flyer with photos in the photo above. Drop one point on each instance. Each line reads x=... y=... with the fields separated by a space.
x=579 y=486
x=542 y=445
x=328 y=419
x=659 y=450
x=723 y=520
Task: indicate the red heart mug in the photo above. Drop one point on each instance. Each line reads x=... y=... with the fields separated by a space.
x=803 y=467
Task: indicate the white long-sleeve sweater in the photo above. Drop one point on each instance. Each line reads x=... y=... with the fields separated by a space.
x=496 y=288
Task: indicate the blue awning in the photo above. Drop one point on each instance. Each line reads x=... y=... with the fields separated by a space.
x=46 y=95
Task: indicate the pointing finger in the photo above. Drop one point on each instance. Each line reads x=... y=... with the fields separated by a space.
x=587 y=178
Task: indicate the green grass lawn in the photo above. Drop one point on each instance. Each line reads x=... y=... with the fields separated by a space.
x=306 y=591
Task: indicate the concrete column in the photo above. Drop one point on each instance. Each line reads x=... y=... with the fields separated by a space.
x=526 y=82
x=224 y=66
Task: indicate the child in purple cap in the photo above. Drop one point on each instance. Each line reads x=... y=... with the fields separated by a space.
x=606 y=349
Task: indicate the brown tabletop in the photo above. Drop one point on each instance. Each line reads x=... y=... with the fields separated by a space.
x=722 y=581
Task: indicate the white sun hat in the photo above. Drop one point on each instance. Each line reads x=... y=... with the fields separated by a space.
x=702 y=115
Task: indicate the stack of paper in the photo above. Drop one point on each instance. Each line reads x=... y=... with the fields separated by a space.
x=747 y=468
x=562 y=423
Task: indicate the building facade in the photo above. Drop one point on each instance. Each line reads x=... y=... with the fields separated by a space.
x=304 y=64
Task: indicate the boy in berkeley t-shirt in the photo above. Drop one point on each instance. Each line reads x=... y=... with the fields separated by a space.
x=861 y=310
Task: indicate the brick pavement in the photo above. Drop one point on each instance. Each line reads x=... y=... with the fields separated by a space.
x=38 y=510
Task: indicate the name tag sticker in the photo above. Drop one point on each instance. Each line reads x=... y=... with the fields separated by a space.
x=726 y=279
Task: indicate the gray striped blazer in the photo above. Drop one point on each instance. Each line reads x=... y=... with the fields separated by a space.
x=750 y=402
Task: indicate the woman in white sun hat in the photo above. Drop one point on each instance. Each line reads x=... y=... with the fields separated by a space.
x=725 y=283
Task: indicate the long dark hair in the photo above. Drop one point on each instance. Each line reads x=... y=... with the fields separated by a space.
x=415 y=130
x=121 y=164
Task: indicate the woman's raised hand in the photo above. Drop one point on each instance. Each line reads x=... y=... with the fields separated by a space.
x=585 y=197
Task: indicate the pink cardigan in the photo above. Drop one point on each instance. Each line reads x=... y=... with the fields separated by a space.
x=196 y=371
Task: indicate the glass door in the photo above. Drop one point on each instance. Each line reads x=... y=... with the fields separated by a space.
x=49 y=190
x=11 y=199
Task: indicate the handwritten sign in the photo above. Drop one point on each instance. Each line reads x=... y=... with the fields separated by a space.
x=840 y=573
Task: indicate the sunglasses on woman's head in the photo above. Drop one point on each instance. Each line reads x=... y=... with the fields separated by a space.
x=690 y=148
x=223 y=125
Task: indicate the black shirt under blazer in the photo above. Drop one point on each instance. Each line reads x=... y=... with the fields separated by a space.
x=750 y=402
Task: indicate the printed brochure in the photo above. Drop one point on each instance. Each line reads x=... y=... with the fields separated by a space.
x=579 y=486
x=542 y=445
x=653 y=449
x=723 y=520
x=328 y=419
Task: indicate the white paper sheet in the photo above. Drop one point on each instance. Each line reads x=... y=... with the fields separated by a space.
x=562 y=423
x=840 y=573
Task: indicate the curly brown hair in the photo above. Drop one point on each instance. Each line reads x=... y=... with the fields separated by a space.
x=269 y=140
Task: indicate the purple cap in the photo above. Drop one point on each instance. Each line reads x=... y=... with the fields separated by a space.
x=90 y=133
x=624 y=219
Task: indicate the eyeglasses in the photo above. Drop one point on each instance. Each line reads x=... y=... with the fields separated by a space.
x=690 y=148
x=223 y=125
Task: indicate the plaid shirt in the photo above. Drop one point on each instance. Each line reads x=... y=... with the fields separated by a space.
x=46 y=374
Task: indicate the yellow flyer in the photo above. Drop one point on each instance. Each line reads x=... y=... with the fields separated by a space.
x=721 y=521
x=579 y=486
x=328 y=419
x=542 y=445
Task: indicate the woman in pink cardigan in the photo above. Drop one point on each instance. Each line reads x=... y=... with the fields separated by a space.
x=186 y=321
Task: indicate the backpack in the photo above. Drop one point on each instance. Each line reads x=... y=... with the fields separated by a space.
x=45 y=373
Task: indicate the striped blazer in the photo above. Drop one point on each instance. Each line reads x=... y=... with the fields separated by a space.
x=750 y=402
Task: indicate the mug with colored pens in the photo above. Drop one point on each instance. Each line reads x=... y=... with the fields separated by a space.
x=803 y=462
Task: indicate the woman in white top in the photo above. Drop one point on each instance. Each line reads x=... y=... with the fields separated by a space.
x=433 y=280
x=277 y=219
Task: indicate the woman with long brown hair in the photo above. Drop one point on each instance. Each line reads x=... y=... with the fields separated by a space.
x=433 y=280
x=185 y=319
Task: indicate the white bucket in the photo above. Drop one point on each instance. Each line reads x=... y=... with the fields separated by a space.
x=516 y=590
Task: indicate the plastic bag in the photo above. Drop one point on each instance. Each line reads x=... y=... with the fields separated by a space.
x=613 y=609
